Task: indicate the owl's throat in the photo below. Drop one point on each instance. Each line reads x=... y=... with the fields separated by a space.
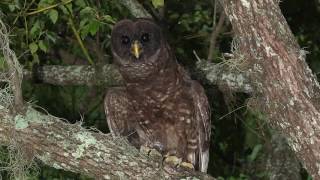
x=158 y=87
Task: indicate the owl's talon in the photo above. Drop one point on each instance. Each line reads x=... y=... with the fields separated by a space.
x=153 y=153
x=145 y=150
x=172 y=160
x=187 y=165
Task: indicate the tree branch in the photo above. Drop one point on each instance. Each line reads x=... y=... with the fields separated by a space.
x=108 y=75
x=73 y=148
x=135 y=8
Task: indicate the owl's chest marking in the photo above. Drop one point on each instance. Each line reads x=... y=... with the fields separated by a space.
x=163 y=114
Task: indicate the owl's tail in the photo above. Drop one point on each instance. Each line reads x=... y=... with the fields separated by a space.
x=203 y=160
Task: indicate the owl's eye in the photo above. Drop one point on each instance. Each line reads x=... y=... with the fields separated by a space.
x=125 y=39
x=145 y=37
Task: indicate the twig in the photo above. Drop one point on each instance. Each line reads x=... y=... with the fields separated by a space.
x=48 y=8
x=83 y=48
x=215 y=34
x=135 y=8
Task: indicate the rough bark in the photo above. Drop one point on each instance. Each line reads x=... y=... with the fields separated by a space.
x=278 y=161
x=285 y=87
x=108 y=75
x=223 y=76
x=73 y=148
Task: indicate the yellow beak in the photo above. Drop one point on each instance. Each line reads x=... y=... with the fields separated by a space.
x=136 y=49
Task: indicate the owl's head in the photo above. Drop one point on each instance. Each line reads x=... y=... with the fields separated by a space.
x=138 y=47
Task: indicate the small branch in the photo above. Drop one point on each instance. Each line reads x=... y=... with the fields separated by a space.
x=135 y=8
x=215 y=34
x=76 y=34
x=49 y=7
x=80 y=150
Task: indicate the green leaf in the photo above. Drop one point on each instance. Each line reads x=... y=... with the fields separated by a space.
x=11 y=7
x=87 y=12
x=64 y=10
x=80 y=3
x=108 y=18
x=158 y=3
x=43 y=46
x=53 y=15
x=69 y=6
x=94 y=27
x=35 y=29
x=51 y=36
x=33 y=47
x=45 y=3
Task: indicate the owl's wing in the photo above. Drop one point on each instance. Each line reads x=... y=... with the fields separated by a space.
x=119 y=115
x=202 y=112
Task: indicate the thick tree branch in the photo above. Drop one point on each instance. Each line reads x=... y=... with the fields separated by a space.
x=287 y=90
x=108 y=75
x=224 y=76
x=73 y=148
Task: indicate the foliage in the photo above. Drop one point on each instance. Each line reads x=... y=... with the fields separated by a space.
x=67 y=32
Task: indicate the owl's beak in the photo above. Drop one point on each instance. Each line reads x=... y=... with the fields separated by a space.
x=136 y=49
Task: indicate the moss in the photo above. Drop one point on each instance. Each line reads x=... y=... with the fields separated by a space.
x=32 y=116
x=20 y=122
x=57 y=166
x=86 y=139
x=106 y=177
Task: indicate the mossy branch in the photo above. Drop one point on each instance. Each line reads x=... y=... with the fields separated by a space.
x=73 y=148
x=108 y=75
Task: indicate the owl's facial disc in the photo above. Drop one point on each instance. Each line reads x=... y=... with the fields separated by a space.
x=135 y=42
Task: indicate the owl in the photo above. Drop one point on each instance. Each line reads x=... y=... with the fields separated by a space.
x=160 y=106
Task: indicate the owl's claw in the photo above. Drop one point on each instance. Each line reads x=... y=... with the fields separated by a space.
x=153 y=153
x=172 y=164
x=187 y=165
x=177 y=162
x=173 y=160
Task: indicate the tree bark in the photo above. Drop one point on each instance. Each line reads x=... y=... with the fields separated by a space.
x=108 y=75
x=285 y=88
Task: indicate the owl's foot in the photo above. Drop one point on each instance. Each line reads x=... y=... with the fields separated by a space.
x=153 y=153
x=177 y=162
x=172 y=160
x=187 y=165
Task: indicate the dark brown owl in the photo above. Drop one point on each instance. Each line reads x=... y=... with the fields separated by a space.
x=160 y=107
